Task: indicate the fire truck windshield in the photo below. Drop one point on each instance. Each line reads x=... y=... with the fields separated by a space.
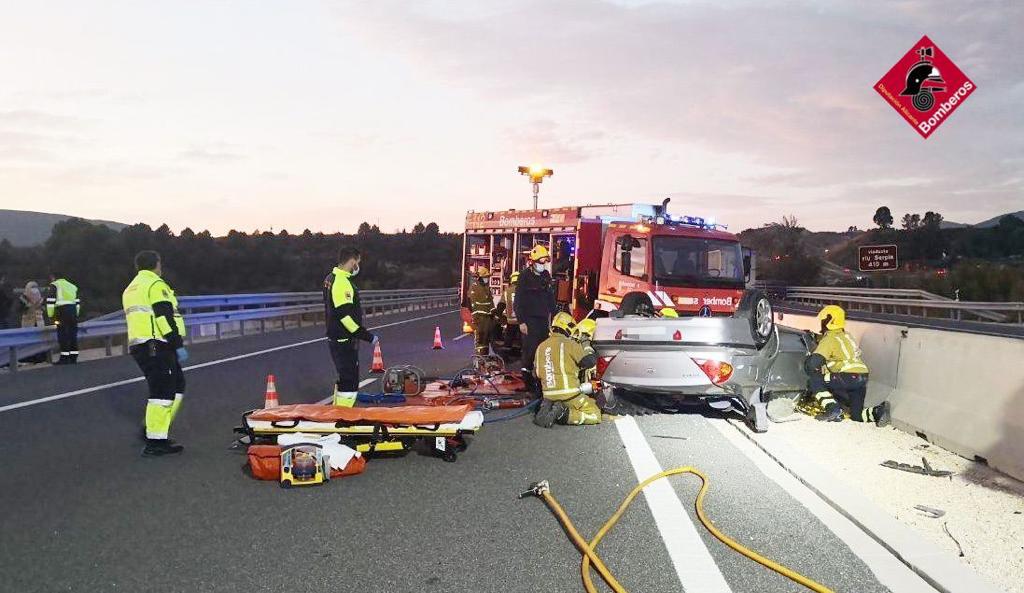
x=692 y=261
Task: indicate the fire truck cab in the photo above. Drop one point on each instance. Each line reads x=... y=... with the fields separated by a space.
x=601 y=254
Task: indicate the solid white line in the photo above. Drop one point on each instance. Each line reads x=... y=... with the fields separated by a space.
x=888 y=569
x=460 y=337
x=694 y=565
x=86 y=390
x=362 y=384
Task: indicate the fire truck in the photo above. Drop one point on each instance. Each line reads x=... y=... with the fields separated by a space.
x=615 y=257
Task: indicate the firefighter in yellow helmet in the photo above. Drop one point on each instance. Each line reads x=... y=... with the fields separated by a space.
x=481 y=303
x=669 y=312
x=836 y=371
x=533 y=305
x=560 y=360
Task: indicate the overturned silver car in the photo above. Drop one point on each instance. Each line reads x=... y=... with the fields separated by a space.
x=738 y=362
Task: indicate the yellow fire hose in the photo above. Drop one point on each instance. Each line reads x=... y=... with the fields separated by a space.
x=590 y=557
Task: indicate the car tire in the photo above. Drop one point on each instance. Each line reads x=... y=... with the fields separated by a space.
x=757 y=309
x=637 y=303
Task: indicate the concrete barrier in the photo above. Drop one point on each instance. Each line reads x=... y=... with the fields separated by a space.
x=963 y=392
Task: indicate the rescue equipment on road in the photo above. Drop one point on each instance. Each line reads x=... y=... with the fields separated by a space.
x=270 y=399
x=542 y=490
x=403 y=380
x=377 y=366
x=304 y=465
x=370 y=430
x=437 y=338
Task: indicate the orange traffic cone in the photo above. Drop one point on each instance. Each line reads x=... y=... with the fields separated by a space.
x=377 y=366
x=271 y=398
x=467 y=328
x=437 y=338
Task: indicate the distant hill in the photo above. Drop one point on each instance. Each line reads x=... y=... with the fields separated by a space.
x=995 y=220
x=25 y=229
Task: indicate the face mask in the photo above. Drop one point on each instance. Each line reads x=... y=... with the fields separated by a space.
x=539 y=267
x=355 y=271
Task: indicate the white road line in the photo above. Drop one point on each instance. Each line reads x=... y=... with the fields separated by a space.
x=460 y=337
x=362 y=384
x=87 y=390
x=888 y=569
x=694 y=565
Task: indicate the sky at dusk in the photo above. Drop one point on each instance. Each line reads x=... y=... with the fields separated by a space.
x=306 y=114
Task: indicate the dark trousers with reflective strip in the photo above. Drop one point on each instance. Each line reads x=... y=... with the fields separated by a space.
x=849 y=388
x=159 y=364
x=67 y=331
x=483 y=333
x=346 y=361
x=537 y=330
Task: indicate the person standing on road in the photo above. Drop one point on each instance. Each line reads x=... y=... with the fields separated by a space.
x=344 y=317
x=31 y=305
x=836 y=371
x=156 y=334
x=481 y=303
x=561 y=361
x=534 y=304
x=6 y=303
x=63 y=306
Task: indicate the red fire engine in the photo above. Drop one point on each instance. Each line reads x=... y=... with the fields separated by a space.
x=600 y=254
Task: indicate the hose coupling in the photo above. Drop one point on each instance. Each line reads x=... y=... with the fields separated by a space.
x=537 y=489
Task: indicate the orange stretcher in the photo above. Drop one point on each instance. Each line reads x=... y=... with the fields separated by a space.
x=371 y=430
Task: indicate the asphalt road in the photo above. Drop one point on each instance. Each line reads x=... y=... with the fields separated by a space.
x=82 y=511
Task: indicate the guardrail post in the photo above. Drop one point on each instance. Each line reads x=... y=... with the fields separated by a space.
x=12 y=361
x=241 y=327
x=263 y=326
x=217 y=325
x=108 y=345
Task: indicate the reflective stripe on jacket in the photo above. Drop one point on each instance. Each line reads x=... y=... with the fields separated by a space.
x=480 y=300
x=139 y=299
x=842 y=355
x=343 y=312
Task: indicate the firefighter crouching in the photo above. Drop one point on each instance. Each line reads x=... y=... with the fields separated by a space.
x=836 y=371
x=482 y=305
x=559 y=362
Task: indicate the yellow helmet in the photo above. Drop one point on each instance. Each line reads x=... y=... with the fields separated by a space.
x=539 y=252
x=483 y=272
x=585 y=329
x=564 y=322
x=669 y=312
x=514 y=278
x=832 y=317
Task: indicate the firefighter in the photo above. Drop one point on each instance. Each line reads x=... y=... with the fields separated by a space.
x=508 y=324
x=481 y=303
x=836 y=371
x=560 y=361
x=156 y=333
x=534 y=304
x=344 y=317
x=63 y=307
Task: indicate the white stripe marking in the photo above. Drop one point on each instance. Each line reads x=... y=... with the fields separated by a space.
x=456 y=339
x=86 y=390
x=694 y=565
x=362 y=384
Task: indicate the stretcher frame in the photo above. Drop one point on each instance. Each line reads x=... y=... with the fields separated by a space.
x=370 y=438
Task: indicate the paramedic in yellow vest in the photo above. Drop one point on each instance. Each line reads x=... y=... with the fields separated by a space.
x=836 y=371
x=481 y=303
x=344 y=317
x=156 y=333
x=559 y=362
x=63 y=307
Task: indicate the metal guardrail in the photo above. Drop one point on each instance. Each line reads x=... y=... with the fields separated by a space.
x=910 y=302
x=216 y=311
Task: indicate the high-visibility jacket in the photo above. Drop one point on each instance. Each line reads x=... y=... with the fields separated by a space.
x=508 y=297
x=558 y=364
x=151 y=311
x=842 y=355
x=343 y=312
x=480 y=301
x=64 y=294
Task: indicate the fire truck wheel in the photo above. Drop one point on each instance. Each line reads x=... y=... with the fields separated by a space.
x=756 y=307
x=637 y=303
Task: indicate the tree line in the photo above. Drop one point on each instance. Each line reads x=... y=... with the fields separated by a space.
x=99 y=260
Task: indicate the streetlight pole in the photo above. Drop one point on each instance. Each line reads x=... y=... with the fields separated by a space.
x=536 y=173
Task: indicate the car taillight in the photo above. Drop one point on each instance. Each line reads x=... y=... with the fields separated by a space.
x=716 y=370
x=602 y=365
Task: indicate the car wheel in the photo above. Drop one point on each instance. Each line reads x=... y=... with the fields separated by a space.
x=756 y=307
x=637 y=303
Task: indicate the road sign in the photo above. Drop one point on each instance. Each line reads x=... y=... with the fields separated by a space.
x=878 y=258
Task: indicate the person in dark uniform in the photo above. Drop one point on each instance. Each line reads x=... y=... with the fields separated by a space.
x=534 y=305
